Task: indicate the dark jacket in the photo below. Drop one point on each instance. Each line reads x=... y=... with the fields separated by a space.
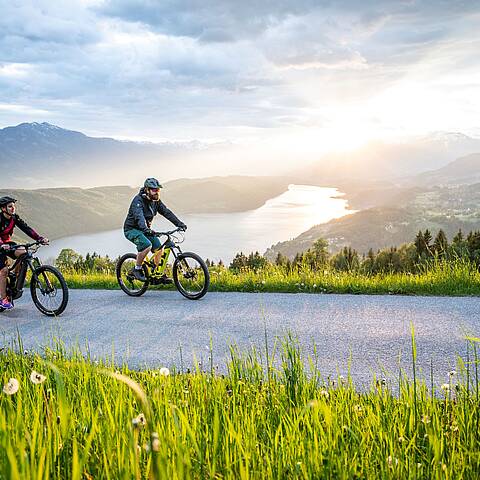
x=8 y=224
x=142 y=210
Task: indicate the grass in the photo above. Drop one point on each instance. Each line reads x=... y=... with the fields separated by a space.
x=89 y=420
x=442 y=278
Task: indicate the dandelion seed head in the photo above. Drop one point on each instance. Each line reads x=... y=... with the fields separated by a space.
x=164 y=372
x=155 y=442
x=139 y=421
x=37 y=378
x=445 y=387
x=11 y=386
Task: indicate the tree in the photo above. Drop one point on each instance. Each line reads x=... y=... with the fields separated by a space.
x=239 y=262
x=420 y=244
x=346 y=260
x=68 y=259
x=440 y=244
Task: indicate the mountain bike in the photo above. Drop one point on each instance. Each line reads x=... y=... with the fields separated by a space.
x=48 y=288
x=189 y=271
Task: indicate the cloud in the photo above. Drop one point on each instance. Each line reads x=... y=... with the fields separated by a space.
x=190 y=68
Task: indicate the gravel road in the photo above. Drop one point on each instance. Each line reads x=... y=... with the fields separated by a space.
x=164 y=329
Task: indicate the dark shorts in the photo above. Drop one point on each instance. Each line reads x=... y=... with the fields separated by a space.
x=141 y=240
x=4 y=254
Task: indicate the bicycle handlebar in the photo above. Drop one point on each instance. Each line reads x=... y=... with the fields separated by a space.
x=25 y=245
x=171 y=232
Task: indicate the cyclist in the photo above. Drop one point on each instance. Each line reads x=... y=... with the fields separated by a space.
x=137 y=225
x=8 y=221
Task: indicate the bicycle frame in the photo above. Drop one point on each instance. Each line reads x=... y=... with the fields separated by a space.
x=26 y=261
x=169 y=248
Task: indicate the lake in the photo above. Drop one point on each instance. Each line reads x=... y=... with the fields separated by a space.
x=222 y=235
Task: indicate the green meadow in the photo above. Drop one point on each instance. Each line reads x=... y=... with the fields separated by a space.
x=459 y=277
x=271 y=415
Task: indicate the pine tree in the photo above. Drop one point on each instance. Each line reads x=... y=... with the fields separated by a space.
x=440 y=245
x=420 y=244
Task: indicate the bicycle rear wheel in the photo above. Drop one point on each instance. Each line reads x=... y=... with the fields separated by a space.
x=130 y=285
x=191 y=276
x=49 y=290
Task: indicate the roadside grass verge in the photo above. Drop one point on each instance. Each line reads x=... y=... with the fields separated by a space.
x=66 y=416
x=442 y=278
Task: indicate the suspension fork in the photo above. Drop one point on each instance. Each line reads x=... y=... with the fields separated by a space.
x=34 y=264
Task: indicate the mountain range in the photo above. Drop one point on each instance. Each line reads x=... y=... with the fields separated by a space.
x=44 y=155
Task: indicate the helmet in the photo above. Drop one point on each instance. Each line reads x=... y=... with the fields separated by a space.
x=152 y=183
x=6 y=200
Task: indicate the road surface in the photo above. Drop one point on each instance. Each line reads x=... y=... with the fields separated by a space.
x=164 y=329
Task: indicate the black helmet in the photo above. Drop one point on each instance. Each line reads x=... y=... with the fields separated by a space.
x=152 y=183
x=6 y=200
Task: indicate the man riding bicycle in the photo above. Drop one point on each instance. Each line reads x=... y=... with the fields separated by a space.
x=8 y=221
x=137 y=225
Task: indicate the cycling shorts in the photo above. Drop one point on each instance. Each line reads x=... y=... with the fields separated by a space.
x=141 y=240
x=6 y=253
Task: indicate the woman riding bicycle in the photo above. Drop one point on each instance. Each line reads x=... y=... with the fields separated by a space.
x=139 y=219
x=8 y=221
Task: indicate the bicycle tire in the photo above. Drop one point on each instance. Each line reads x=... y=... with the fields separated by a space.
x=176 y=266
x=121 y=283
x=64 y=288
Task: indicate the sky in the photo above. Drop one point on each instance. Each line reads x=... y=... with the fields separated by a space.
x=292 y=76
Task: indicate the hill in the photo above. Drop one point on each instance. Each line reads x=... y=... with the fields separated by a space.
x=447 y=207
x=464 y=170
x=380 y=161
x=60 y=212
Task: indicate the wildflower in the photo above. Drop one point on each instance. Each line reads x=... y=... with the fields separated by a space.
x=11 y=387
x=314 y=285
x=401 y=439
x=391 y=459
x=324 y=393
x=263 y=282
x=452 y=373
x=358 y=408
x=155 y=442
x=342 y=379
x=164 y=372
x=139 y=421
x=37 y=378
x=312 y=403
x=445 y=387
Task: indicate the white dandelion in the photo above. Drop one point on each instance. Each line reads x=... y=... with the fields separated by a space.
x=11 y=387
x=37 y=378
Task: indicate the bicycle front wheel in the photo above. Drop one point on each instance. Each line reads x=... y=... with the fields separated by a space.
x=49 y=290
x=191 y=276
x=128 y=283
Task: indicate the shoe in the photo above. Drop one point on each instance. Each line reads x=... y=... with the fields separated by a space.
x=6 y=304
x=164 y=280
x=138 y=275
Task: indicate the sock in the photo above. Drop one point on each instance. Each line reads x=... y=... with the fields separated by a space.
x=137 y=267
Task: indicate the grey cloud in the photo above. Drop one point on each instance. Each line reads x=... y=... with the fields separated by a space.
x=50 y=22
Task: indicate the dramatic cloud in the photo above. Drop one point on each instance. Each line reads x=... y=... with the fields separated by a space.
x=327 y=73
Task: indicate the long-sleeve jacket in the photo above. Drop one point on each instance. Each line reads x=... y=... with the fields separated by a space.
x=142 y=210
x=7 y=226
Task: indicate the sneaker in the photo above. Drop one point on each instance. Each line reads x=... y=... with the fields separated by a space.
x=6 y=304
x=138 y=274
x=164 y=280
